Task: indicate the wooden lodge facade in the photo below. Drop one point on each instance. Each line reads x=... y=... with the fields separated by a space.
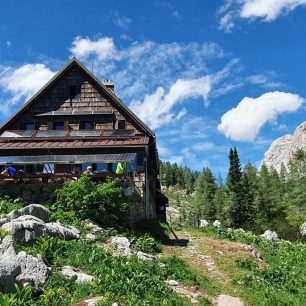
x=74 y=121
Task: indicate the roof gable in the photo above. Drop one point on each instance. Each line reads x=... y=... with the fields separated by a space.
x=108 y=92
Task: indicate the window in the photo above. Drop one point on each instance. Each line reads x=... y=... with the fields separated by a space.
x=121 y=124
x=59 y=125
x=74 y=92
x=29 y=126
x=86 y=125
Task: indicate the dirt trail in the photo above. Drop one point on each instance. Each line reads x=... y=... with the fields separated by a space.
x=211 y=258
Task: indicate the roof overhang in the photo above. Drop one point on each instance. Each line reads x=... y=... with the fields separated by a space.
x=68 y=159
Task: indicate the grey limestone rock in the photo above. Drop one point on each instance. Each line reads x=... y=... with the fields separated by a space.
x=36 y=210
x=20 y=268
x=270 y=235
x=27 y=228
x=303 y=229
x=282 y=149
x=75 y=274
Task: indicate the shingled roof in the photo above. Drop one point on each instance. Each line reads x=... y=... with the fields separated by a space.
x=114 y=98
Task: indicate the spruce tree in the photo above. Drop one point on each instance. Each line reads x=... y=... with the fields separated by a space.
x=234 y=185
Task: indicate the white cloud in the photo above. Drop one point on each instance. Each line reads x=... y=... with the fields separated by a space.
x=244 y=122
x=102 y=48
x=267 y=10
x=121 y=21
x=24 y=81
x=157 y=109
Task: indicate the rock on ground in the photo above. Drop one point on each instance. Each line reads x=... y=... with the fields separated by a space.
x=20 y=268
x=92 y=226
x=270 y=235
x=27 y=228
x=303 y=229
x=36 y=210
x=204 y=223
x=75 y=274
x=227 y=300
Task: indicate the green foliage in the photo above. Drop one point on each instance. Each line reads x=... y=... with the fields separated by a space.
x=103 y=203
x=146 y=244
x=22 y=297
x=206 y=189
x=127 y=281
x=7 y=205
x=282 y=281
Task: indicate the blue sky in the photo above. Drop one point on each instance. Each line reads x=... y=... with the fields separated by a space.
x=204 y=75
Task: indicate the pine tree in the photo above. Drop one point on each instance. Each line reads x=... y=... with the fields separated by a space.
x=205 y=195
x=234 y=185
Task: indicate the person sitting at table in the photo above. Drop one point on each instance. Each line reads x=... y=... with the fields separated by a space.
x=9 y=171
x=88 y=171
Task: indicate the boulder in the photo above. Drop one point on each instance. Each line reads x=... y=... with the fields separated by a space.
x=303 y=229
x=33 y=270
x=217 y=224
x=270 y=235
x=120 y=242
x=76 y=274
x=144 y=256
x=91 y=237
x=20 y=268
x=92 y=226
x=92 y=301
x=36 y=210
x=27 y=228
x=204 y=223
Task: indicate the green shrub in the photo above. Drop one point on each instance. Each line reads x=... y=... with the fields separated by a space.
x=22 y=297
x=7 y=205
x=103 y=203
x=146 y=244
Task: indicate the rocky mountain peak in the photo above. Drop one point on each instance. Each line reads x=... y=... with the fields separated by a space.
x=282 y=149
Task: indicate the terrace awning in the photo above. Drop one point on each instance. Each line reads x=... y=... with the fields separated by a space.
x=68 y=159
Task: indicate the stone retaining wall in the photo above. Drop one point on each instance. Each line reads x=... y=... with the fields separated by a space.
x=32 y=193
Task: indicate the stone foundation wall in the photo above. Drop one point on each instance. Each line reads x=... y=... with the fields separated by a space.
x=31 y=193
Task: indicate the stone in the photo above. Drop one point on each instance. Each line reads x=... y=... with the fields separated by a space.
x=217 y=224
x=220 y=253
x=204 y=223
x=162 y=265
x=58 y=230
x=120 y=242
x=20 y=268
x=173 y=282
x=270 y=235
x=27 y=228
x=303 y=229
x=33 y=270
x=74 y=273
x=144 y=256
x=36 y=210
x=4 y=220
x=227 y=300
x=115 y=304
x=91 y=237
x=92 y=226
x=92 y=301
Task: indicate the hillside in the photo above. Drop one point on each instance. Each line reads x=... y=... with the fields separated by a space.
x=107 y=266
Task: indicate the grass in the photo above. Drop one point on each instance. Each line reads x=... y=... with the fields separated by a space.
x=129 y=281
x=281 y=281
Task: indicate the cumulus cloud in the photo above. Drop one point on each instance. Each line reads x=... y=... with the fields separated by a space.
x=244 y=122
x=103 y=48
x=24 y=81
x=267 y=10
x=154 y=78
x=157 y=109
